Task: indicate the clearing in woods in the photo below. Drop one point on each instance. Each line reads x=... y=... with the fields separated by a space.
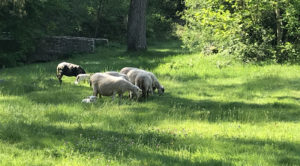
x=215 y=111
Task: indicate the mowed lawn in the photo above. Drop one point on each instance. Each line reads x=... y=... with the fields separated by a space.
x=215 y=111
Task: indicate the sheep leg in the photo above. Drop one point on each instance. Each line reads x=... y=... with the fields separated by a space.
x=147 y=93
x=95 y=91
x=130 y=95
x=144 y=92
x=113 y=96
x=59 y=76
x=120 y=96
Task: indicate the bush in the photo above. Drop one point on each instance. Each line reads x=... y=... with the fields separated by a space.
x=249 y=29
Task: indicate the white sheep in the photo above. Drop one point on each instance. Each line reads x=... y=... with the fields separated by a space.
x=83 y=77
x=144 y=82
x=107 y=85
x=125 y=70
x=68 y=69
x=155 y=83
x=141 y=79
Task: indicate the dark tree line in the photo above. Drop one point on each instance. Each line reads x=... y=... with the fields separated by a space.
x=24 y=21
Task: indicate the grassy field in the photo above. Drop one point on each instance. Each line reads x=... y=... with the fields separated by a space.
x=216 y=111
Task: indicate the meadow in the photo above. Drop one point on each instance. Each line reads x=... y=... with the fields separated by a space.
x=216 y=110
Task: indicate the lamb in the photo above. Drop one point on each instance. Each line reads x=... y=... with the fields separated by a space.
x=90 y=99
x=68 y=69
x=107 y=85
x=82 y=77
x=125 y=70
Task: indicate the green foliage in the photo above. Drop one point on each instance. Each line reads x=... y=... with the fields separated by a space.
x=215 y=111
x=161 y=17
x=245 y=28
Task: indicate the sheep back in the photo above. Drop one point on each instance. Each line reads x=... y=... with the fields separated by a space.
x=69 y=69
x=125 y=70
x=117 y=74
x=144 y=82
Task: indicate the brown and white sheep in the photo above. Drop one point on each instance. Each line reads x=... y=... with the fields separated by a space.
x=68 y=69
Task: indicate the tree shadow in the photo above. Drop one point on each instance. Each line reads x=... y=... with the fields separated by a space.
x=145 y=147
x=148 y=147
x=214 y=111
x=286 y=154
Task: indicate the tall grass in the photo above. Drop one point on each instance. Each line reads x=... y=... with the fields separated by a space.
x=216 y=111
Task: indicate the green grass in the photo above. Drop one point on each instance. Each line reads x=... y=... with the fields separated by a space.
x=216 y=111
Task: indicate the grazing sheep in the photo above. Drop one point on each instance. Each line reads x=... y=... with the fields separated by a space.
x=68 y=69
x=142 y=79
x=90 y=99
x=144 y=82
x=125 y=70
x=117 y=74
x=82 y=77
x=156 y=84
x=107 y=85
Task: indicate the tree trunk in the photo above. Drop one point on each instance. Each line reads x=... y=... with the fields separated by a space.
x=136 y=30
x=99 y=10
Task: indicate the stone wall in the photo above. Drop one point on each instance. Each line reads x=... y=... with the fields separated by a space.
x=55 y=47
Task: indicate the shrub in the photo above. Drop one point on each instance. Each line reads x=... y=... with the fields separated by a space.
x=250 y=29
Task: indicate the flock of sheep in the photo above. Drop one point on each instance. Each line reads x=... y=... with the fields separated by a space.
x=139 y=82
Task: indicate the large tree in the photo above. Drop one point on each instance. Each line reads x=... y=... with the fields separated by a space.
x=136 y=32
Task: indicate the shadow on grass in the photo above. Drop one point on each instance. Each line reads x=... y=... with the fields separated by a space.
x=150 y=147
x=286 y=153
x=213 y=111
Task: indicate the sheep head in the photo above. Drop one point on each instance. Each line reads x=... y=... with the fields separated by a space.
x=80 y=70
x=137 y=91
x=161 y=90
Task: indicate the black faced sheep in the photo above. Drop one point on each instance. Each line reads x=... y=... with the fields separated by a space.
x=107 y=85
x=68 y=69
